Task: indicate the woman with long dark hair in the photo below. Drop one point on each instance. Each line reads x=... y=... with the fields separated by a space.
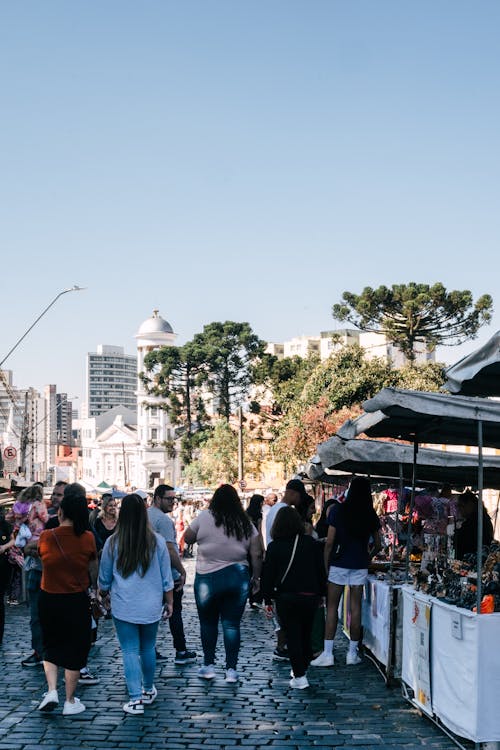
x=69 y=563
x=225 y=537
x=135 y=573
x=293 y=577
x=351 y=526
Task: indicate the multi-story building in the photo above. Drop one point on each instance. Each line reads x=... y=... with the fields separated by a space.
x=64 y=419
x=134 y=445
x=111 y=380
x=328 y=342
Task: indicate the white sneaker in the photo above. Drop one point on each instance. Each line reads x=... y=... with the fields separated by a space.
x=323 y=660
x=73 y=708
x=49 y=701
x=299 y=683
x=232 y=675
x=353 y=658
x=207 y=672
x=136 y=708
x=149 y=696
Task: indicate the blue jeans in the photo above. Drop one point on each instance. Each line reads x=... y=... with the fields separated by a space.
x=33 y=581
x=139 y=658
x=221 y=596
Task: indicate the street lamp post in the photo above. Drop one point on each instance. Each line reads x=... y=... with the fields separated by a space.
x=74 y=288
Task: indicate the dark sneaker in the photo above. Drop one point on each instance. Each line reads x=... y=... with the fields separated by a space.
x=87 y=678
x=185 y=657
x=32 y=661
x=281 y=654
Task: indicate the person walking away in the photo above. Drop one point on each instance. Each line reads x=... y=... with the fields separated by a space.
x=226 y=538
x=135 y=574
x=351 y=525
x=295 y=495
x=69 y=562
x=254 y=512
x=293 y=575
x=33 y=569
x=7 y=541
x=163 y=504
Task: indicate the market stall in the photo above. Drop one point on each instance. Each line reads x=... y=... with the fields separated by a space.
x=432 y=668
x=381 y=614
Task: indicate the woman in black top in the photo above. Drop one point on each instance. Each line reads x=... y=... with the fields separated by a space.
x=104 y=525
x=6 y=541
x=293 y=576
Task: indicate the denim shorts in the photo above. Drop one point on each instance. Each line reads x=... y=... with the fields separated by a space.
x=347 y=576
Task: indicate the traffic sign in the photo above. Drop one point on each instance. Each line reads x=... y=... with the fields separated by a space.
x=10 y=453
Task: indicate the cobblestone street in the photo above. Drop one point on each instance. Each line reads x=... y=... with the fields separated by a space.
x=347 y=707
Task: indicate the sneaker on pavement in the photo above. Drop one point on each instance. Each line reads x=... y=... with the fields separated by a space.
x=87 y=678
x=159 y=657
x=148 y=696
x=73 y=707
x=232 y=675
x=33 y=660
x=135 y=708
x=185 y=657
x=207 y=672
x=323 y=660
x=49 y=701
x=353 y=658
x=281 y=654
x=299 y=683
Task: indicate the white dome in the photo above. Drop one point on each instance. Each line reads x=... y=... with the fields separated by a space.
x=155 y=324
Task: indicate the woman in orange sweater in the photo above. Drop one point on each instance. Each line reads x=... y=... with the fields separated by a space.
x=69 y=561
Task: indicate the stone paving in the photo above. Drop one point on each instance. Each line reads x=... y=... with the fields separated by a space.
x=348 y=707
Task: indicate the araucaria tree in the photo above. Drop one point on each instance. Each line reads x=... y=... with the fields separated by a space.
x=228 y=351
x=409 y=314
x=173 y=372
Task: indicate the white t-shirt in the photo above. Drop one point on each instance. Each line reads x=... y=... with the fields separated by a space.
x=270 y=519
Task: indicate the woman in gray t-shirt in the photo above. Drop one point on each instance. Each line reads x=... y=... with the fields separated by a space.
x=226 y=538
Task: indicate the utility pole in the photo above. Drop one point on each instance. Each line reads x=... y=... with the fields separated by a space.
x=241 y=472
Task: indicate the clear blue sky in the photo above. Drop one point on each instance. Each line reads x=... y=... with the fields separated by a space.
x=238 y=160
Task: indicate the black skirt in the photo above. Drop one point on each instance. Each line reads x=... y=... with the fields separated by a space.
x=65 y=622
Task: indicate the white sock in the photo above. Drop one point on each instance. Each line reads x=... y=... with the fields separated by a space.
x=328 y=648
x=353 y=646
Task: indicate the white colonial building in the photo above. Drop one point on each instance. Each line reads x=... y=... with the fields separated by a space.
x=130 y=448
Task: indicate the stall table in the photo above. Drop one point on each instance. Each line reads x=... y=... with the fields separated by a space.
x=451 y=662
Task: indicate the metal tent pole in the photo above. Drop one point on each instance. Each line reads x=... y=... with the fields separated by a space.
x=479 y=561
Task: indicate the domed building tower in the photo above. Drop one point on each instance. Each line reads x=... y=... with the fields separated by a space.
x=154 y=431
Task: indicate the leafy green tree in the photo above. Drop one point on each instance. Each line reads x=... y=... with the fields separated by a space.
x=334 y=392
x=172 y=372
x=409 y=314
x=217 y=459
x=280 y=381
x=228 y=351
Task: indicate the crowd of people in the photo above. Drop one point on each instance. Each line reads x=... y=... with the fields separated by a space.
x=126 y=563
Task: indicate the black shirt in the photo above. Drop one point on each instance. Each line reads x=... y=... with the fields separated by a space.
x=306 y=574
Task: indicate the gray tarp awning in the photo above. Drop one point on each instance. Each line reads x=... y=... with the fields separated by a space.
x=477 y=374
x=427 y=417
x=380 y=459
